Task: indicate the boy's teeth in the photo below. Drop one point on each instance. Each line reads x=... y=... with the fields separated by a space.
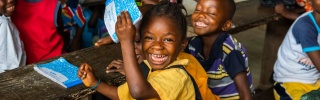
x=201 y=24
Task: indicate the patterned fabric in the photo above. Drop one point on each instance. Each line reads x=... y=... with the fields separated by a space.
x=293 y=90
x=223 y=64
x=72 y=13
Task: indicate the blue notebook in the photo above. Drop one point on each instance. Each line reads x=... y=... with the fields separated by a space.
x=60 y=71
x=114 y=8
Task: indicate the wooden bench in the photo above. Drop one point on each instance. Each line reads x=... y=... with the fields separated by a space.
x=25 y=83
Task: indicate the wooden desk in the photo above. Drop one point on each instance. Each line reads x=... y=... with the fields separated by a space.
x=25 y=83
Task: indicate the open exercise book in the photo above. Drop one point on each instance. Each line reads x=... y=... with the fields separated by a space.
x=60 y=71
x=114 y=8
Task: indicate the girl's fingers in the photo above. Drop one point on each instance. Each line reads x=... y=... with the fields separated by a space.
x=128 y=19
x=123 y=18
x=118 y=23
x=84 y=75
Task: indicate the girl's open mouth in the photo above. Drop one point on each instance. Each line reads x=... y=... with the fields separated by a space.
x=157 y=58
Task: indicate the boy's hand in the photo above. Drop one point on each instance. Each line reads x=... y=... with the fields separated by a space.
x=125 y=30
x=103 y=41
x=281 y=9
x=86 y=75
x=116 y=66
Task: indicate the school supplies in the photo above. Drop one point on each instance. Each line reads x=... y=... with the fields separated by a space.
x=59 y=71
x=114 y=8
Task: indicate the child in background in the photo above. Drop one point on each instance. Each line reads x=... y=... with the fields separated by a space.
x=35 y=20
x=162 y=35
x=12 y=54
x=281 y=9
x=296 y=70
x=222 y=56
x=74 y=23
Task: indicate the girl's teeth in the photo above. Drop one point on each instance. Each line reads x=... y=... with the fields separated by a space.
x=156 y=57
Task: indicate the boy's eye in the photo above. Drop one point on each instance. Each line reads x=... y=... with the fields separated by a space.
x=137 y=41
x=168 y=40
x=211 y=13
x=197 y=10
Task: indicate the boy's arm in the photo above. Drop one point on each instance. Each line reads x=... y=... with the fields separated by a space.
x=242 y=85
x=281 y=9
x=235 y=67
x=139 y=87
x=76 y=42
x=104 y=41
x=315 y=58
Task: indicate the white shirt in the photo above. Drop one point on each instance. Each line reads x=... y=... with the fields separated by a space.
x=293 y=63
x=12 y=54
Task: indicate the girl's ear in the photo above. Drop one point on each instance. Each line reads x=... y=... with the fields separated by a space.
x=227 y=25
x=184 y=44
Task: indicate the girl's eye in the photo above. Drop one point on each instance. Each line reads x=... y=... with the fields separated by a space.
x=148 y=38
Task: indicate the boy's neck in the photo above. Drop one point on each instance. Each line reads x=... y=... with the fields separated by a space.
x=316 y=17
x=208 y=42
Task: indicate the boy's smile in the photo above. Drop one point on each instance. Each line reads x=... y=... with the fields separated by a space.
x=200 y=24
x=10 y=7
x=208 y=17
x=161 y=42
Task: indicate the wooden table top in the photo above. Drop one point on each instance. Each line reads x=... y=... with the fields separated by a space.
x=25 y=83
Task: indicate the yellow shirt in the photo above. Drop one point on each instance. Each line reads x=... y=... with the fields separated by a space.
x=170 y=84
x=195 y=69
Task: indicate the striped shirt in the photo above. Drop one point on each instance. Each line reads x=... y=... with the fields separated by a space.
x=223 y=64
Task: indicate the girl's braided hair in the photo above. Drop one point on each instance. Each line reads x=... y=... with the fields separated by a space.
x=173 y=11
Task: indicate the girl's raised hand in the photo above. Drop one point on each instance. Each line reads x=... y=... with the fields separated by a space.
x=125 y=30
x=85 y=73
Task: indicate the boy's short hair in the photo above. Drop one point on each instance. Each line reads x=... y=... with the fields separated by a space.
x=230 y=7
x=169 y=10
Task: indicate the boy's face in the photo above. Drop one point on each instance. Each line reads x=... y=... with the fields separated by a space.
x=138 y=47
x=161 y=42
x=9 y=7
x=2 y=6
x=208 y=17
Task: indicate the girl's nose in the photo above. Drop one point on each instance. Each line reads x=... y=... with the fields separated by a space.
x=157 y=45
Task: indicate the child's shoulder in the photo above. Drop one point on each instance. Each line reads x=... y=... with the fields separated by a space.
x=231 y=43
x=3 y=20
x=305 y=20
